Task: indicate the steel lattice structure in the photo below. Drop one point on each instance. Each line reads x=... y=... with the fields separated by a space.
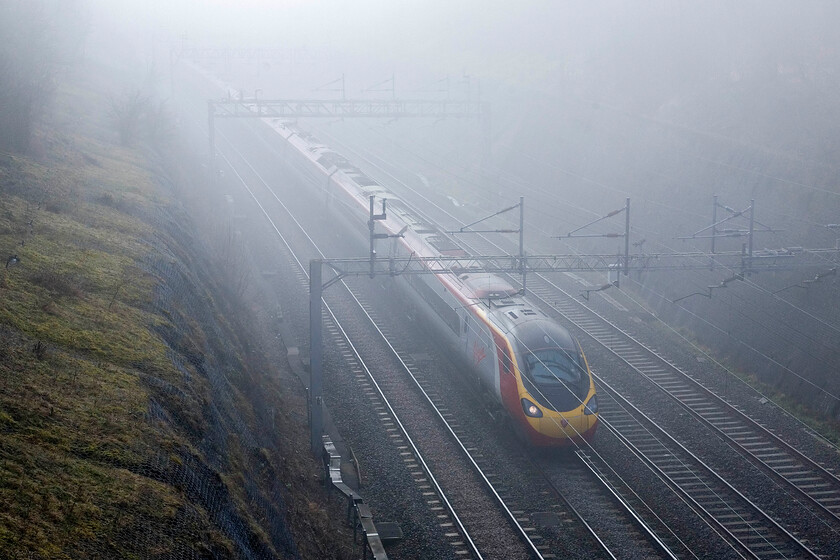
x=230 y=108
x=785 y=259
x=336 y=108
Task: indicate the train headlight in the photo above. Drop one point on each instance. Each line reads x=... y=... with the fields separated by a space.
x=531 y=409
x=591 y=406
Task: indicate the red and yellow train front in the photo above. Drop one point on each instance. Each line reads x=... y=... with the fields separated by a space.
x=546 y=384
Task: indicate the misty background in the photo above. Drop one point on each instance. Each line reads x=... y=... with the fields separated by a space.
x=668 y=103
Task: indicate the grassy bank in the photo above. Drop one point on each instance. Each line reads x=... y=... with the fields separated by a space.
x=132 y=398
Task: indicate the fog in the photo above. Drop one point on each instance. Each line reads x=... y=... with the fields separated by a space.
x=666 y=102
x=652 y=44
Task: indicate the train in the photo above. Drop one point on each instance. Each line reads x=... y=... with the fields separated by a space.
x=523 y=360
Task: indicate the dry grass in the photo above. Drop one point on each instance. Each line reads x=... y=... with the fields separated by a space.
x=133 y=400
x=80 y=457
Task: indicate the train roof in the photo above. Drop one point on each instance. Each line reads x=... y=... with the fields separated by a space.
x=484 y=285
x=509 y=310
x=518 y=317
x=535 y=332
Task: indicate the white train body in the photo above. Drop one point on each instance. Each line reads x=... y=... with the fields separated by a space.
x=530 y=365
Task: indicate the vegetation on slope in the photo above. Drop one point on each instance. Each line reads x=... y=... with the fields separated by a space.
x=134 y=401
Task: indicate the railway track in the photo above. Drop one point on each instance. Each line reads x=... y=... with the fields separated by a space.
x=742 y=523
x=436 y=450
x=805 y=479
x=745 y=526
x=538 y=511
x=417 y=464
x=583 y=472
x=748 y=528
x=458 y=433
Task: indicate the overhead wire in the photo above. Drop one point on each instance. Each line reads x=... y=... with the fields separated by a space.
x=762 y=354
x=650 y=232
x=571 y=359
x=795 y=374
x=574 y=362
x=749 y=282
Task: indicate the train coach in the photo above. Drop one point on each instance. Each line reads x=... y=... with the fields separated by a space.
x=526 y=362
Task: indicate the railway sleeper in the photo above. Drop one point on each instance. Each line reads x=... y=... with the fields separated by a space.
x=742 y=434
x=783 y=460
x=722 y=513
x=752 y=533
x=676 y=388
x=787 y=467
x=755 y=447
x=699 y=404
x=791 y=476
x=765 y=452
x=826 y=493
x=663 y=459
x=719 y=419
x=704 y=408
x=698 y=484
x=683 y=479
x=710 y=497
x=658 y=377
x=801 y=480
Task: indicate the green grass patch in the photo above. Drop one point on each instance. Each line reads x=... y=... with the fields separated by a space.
x=83 y=360
x=826 y=428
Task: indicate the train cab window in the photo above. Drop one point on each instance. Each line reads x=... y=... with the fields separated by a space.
x=547 y=367
x=555 y=379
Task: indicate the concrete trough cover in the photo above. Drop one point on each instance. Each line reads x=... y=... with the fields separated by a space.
x=348 y=474
x=546 y=519
x=389 y=532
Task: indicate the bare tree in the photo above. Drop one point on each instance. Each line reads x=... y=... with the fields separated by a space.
x=127 y=113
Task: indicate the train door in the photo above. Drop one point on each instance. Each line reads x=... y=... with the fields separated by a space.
x=466 y=327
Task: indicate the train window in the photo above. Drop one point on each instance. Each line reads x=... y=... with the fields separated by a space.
x=466 y=322
x=551 y=366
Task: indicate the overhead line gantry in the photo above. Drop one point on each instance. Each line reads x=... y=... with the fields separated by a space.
x=373 y=265
x=251 y=108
